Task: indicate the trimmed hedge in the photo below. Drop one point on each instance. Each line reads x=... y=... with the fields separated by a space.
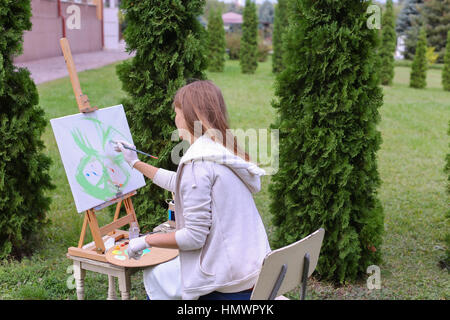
x=24 y=177
x=327 y=100
x=169 y=43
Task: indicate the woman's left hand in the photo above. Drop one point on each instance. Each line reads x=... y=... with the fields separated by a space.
x=136 y=246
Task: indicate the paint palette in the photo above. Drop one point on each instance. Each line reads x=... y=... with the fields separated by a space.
x=118 y=255
x=122 y=255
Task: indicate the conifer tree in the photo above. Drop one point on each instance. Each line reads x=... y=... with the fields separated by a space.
x=24 y=177
x=419 y=67
x=327 y=100
x=447 y=213
x=446 y=70
x=408 y=25
x=248 y=55
x=266 y=12
x=436 y=18
x=409 y=11
x=169 y=43
x=216 y=42
x=279 y=29
x=388 y=45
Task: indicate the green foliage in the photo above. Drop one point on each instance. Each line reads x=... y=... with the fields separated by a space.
x=446 y=71
x=431 y=56
x=213 y=5
x=436 y=18
x=420 y=64
x=248 y=54
x=216 y=42
x=266 y=12
x=404 y=19
x=233 y=43
x=263 y=51
x=388 y=45
x=328 y=98
x=24 y=168
x=408 y=24
x=447 y=214
x=168 y=41
x=279 y=29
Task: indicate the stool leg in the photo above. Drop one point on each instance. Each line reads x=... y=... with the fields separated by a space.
x=125 y=285
x=111 y=288
x=79 y=275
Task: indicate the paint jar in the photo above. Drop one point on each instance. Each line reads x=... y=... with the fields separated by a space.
x=133 y=232
x=171 y=212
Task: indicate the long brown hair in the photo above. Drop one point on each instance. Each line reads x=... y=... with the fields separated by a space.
x=202 y=101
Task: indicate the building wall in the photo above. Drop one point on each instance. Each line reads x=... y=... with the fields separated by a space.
x=43 y=40
x=111 y=27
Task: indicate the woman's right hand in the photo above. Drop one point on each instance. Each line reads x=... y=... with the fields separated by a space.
x=130 y=156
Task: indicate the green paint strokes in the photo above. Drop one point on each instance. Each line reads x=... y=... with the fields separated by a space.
x=105 y=188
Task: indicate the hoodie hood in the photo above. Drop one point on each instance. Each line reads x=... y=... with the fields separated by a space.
x=205 y=149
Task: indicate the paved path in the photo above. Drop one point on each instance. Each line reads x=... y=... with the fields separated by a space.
x=54 y=68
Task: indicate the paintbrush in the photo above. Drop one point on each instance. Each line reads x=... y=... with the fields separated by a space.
x=126 y=147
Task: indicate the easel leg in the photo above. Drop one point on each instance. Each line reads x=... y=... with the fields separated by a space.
x=129 y=208
x=93 y=224
x=79 y=275
x=111 y=288
x=83 y=231
x=125 y=285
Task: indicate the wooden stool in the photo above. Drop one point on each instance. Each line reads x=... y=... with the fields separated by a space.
x=80 y=265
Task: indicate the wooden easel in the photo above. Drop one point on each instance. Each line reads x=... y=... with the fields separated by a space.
x=96 y=251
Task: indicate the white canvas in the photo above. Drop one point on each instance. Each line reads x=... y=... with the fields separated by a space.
x=96 y=172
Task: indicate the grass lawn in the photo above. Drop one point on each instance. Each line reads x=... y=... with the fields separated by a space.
x=414 y=125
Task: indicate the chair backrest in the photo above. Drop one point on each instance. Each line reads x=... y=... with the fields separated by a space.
x=292 y=258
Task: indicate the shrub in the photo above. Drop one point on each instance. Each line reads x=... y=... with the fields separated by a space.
x=233 y=43
x=216 y=42
x=263 y=51
x=447 y=214
x=446 y=70
x=24 y=177
x=419 y=67
x=169 y=49
x=431 y=56
x=248 y=54
x=279 y=28
x=388 y=45
x=327 y=100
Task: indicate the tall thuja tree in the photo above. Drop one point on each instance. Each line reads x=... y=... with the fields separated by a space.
x=216 y=42
x=24 y=177
x=279 y=29
x=446 y=70
x=248 y=54
x=418 y=78
x=328 y=99
x=169 y=44
x=388 y=44
x=447 y=213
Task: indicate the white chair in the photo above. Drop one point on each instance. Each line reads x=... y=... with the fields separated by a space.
x=286 y=268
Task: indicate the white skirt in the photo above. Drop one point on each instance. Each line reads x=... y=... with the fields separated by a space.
x=163 y=282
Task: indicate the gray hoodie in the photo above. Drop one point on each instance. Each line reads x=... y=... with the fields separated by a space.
x=220 y=233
